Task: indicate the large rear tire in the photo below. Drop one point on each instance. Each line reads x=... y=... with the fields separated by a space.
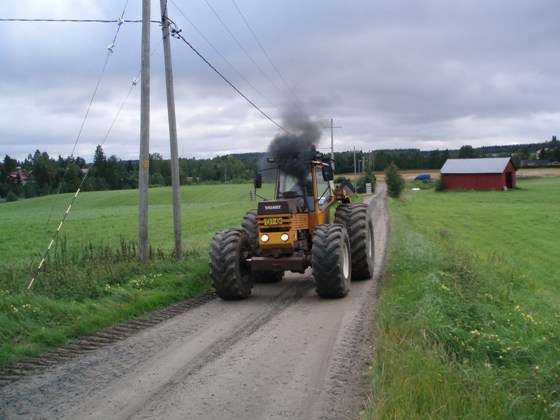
x=229 y=272
x=250 y=226
x=332 y=266
x=358 y=220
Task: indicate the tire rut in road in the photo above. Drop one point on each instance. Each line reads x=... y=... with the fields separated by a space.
x=103 y=371
x=220 y=347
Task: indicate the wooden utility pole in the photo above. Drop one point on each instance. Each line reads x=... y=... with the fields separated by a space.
x=144 y=162
x=175 y=176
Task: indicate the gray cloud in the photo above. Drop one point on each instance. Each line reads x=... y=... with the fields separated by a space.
x=426 y=75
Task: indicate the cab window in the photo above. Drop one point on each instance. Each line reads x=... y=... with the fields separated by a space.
x=323 y=189
x=290 y=186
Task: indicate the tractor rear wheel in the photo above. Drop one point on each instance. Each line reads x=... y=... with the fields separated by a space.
x=358 y=220
x=332 y=267
x=250 y=226
x=229 y=272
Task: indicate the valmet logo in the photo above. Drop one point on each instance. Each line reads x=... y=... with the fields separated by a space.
x=273 y=207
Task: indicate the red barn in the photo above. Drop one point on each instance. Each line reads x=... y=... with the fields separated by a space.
x=479 y=174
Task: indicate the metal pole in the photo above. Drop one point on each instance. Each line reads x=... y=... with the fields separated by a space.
x=175 y=176
x=144 y=162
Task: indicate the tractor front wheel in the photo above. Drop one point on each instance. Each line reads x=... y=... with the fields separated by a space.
x=229 y=271
x=332 y=266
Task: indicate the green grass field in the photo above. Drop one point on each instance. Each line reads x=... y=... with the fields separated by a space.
x=92 y=278
x=111 y=216
x=468 y=323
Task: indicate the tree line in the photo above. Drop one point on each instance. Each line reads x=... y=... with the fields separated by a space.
x=40 y=174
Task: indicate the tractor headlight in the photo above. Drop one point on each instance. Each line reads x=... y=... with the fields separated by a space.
x=264 y=238
x=284 y=237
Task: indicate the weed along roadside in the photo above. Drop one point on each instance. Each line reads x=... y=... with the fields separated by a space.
x=467 y=323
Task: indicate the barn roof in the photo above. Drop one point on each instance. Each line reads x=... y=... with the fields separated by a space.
x=475 y=166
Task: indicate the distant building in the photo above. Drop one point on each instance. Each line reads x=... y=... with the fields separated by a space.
x=479 y=174
x=20 y=176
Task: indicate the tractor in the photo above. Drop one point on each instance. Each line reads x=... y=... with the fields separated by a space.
x=293 y=232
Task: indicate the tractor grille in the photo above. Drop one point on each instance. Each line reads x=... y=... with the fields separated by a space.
x=283 y=222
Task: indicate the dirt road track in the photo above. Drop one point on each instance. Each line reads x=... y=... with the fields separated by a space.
x=283 y=353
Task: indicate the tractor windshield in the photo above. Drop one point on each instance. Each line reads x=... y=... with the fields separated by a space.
x=290 y=186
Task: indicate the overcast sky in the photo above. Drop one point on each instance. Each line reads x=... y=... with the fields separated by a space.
x=425 y=74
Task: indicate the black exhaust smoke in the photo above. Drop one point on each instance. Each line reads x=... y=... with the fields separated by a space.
x=294 y=149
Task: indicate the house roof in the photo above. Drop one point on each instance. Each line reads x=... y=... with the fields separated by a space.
x=475 y=166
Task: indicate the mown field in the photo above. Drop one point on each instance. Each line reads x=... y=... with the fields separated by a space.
x=468 y=323
x=92 y=278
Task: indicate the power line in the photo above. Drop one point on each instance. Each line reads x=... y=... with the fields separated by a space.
x=231 y=66
x=55 y=236
x=302 y=106
x=109 y=52
x=120 y=21
x=246 y=52
x=75 y=20
x=176 y=33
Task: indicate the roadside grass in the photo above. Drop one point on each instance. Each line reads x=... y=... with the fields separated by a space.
x=92 y=278
x=468 y=322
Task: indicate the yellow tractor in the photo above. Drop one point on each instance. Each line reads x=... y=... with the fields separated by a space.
x=293 y=232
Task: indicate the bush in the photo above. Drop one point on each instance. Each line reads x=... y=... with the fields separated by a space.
x=394 y=180
x=4 y=189
x=156 y=179
x=365 y=179
x=30 y=190
x=440 y=184
x=342 y=181
x=11 y=196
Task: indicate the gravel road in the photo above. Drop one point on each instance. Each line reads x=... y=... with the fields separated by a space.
x=283 y=353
